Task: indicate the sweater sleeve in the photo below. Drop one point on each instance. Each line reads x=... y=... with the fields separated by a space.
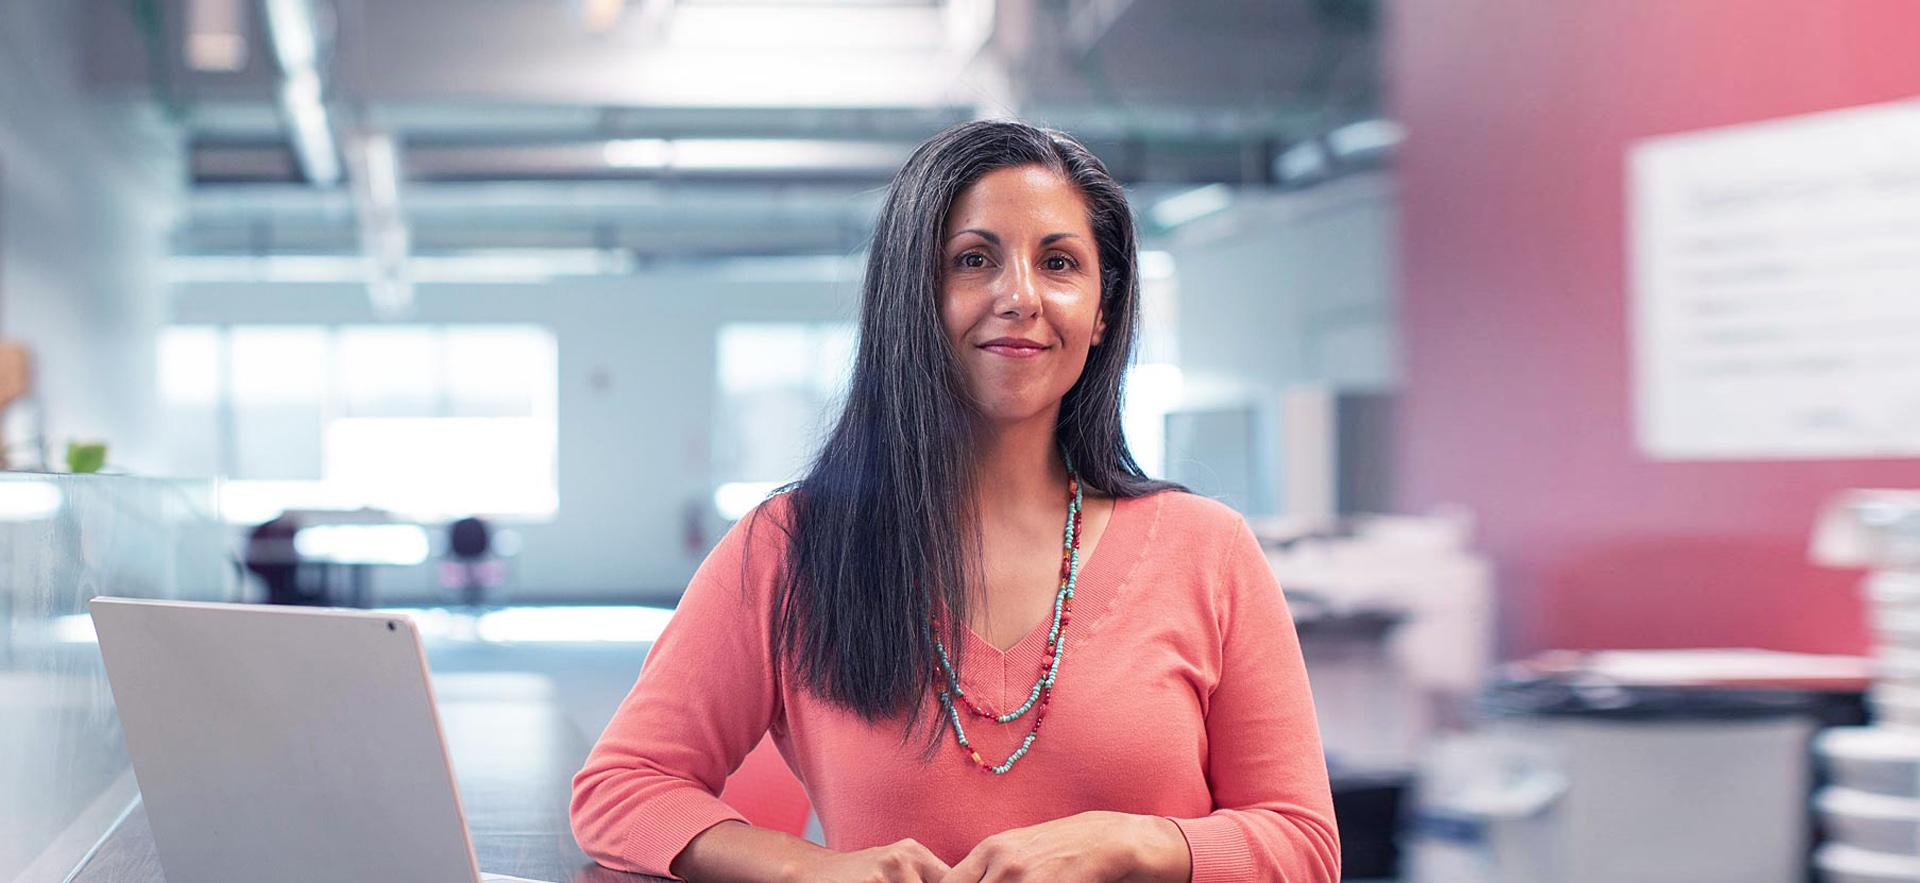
x=1273 y=808
x=706 y=695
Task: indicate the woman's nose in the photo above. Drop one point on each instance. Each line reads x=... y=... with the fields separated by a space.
x=1019 y=292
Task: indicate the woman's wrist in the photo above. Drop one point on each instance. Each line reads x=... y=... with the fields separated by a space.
x=1157 y=851
x=735 y=850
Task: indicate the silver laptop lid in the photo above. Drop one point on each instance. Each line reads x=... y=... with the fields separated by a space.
x=287 y=744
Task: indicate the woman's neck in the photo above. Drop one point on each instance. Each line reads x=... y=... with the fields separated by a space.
x=1019 y=468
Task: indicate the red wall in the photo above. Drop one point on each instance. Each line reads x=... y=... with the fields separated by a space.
x=1514 y=320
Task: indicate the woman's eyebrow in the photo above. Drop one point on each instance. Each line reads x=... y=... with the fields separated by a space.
x=988 y=235
x=994 y=238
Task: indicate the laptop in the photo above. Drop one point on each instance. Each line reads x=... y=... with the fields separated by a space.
x=291 y=744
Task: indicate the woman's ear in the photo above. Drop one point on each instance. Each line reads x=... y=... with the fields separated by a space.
x=1099 y=324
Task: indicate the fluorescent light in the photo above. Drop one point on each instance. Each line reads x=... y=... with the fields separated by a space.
x=1191 y=205
x=290 y=25
x=1301 y=162
x=754 y=154
x=312 y=137
x=638 y=153
x=783 y=153
x=1366 y=137
x=496 y=265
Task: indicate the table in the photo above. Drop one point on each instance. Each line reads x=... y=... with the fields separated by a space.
x=514 y=759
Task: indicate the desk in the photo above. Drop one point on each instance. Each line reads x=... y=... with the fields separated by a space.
x=514 y=758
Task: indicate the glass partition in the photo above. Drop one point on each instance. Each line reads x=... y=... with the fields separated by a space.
x=64 y=773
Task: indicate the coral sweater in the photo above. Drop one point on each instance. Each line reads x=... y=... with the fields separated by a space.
x=1182 y=694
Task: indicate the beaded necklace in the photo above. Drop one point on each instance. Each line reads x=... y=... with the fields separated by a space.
x=1042 y=691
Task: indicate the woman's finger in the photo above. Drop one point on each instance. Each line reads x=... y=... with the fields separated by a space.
x=971 y=869
x=926 y=864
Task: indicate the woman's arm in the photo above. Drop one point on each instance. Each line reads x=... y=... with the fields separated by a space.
x=646 y=800
x=706 y=695
x=1274 y=816
x=736 y=851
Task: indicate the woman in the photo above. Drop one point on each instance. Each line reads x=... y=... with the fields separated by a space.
x=974 y=551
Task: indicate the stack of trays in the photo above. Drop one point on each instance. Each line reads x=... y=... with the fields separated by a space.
x=1893 y=599
x=1871 y=809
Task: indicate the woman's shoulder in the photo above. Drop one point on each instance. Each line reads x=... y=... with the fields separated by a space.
x=1184 y=514
x=751 y=549
x=776 y=514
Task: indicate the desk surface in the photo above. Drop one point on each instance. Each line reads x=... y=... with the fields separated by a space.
x=514 y=760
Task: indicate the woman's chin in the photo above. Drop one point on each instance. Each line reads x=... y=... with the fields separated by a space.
x=1005 y=413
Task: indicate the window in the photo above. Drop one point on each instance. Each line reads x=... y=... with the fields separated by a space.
x=780 y=386
x=428 y=421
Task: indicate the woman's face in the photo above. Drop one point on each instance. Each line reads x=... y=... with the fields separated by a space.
x=1020 y=265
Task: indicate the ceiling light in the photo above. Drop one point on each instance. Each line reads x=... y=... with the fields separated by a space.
x=1301 y=162
x=638 y=153
x=1191 y=205
x=1366 y=137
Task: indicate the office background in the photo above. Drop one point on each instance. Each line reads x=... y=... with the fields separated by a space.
x=587 y=270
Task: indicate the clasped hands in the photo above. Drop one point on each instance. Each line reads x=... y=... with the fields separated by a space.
x=1090 y=847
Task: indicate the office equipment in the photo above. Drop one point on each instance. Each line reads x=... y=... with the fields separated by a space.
x=1336 y=451
x=1395 y=617
x=1704 y=781
x=301 y=740
x=1872 y=808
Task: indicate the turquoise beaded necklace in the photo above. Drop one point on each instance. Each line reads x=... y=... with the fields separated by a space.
x=1042 y=691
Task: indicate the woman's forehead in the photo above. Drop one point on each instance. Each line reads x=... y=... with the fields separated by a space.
x=1021 y=198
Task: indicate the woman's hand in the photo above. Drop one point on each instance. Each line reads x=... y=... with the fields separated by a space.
x=1092 y=847
x=904 y=861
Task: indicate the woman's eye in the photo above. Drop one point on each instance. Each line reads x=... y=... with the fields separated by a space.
x=1059 y=262
x=972 y=260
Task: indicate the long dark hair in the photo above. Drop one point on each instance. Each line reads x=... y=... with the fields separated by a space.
x=884 y=534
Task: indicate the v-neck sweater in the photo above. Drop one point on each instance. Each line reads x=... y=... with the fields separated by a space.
x=1181 y=694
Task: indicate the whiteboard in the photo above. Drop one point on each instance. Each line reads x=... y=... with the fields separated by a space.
x=1775 y=274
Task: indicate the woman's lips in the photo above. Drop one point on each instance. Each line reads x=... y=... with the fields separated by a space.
x=1016 y=352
